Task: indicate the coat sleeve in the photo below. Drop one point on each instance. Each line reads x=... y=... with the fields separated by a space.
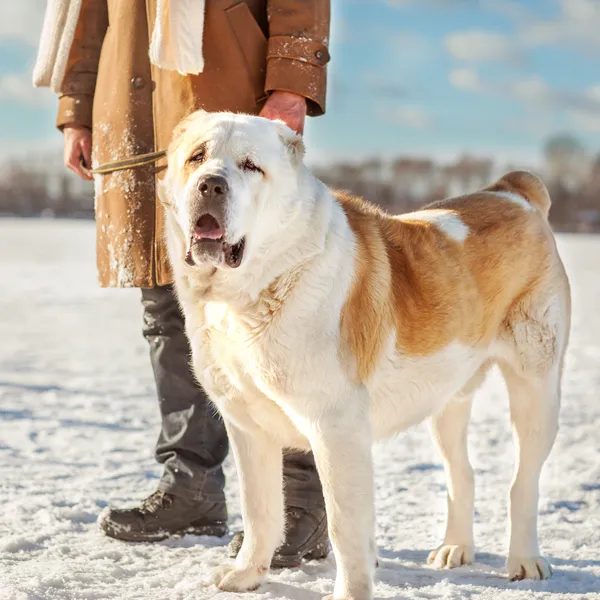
x=75 y=103
x=297 y=52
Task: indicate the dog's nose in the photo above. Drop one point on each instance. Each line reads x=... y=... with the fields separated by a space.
x=213 y=186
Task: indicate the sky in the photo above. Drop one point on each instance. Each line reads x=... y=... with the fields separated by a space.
x=420 y=77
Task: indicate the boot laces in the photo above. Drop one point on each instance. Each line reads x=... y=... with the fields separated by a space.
x=294 y=514
x=156 y=501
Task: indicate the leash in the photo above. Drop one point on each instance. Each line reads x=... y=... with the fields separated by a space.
x=126 y=163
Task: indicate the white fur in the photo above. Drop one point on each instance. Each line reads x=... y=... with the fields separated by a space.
x=274 y=369
x=445 y=220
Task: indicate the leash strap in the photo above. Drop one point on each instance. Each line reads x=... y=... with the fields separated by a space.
x=126 y=163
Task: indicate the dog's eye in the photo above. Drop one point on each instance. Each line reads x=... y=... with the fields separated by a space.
x=248 y=165
x=198 y=156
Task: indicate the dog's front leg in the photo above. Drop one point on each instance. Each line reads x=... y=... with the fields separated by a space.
x=341 y=443
x=258 y=460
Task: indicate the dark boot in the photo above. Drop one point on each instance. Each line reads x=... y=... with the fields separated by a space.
x=162 y=515
x=306 y=538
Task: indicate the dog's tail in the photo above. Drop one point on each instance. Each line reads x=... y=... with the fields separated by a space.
x=528 y=186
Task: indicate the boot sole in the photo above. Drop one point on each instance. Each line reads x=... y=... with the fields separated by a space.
x=319 y=552
x=218 y=529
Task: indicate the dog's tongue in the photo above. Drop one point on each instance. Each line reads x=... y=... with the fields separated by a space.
x=207 y=228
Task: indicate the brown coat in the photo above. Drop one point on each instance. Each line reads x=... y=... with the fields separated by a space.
x=250 y=48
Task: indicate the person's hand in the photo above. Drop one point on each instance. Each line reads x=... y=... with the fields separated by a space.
x=78 y=148
x=287 y=107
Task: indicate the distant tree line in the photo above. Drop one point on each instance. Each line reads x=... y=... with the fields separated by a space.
x=407 y=183
x=403 y=184
x=28 y=190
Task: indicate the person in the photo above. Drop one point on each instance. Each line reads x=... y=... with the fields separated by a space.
x=117 y=100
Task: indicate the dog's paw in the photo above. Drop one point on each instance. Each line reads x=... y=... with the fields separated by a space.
x=448 y=556
x=348 y=597
x=534 y=567
x=361 y=589
x=229 y=578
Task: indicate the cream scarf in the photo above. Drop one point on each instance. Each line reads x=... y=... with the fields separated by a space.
x=176 y=43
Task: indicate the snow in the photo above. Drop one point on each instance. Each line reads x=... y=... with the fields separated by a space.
x=78 y=422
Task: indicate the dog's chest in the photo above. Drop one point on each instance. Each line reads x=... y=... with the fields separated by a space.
x=239 y=347
x=247 y=372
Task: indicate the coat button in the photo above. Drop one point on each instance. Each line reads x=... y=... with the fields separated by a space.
x=138 y=82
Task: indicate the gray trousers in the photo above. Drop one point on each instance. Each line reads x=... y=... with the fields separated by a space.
x=192 y=444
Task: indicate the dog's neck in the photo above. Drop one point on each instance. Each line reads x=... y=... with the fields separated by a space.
x=272 y=268
x=302 y=239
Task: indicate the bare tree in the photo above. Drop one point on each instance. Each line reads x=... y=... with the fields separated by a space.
x=567 y=161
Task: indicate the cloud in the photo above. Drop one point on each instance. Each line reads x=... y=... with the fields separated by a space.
x=18 y=88
x=510 y=8
x=410 y=42
x=531 y=90
x=382 y=87
x=587 y=120
x=515 y=11
x=582 y=108
x=534 y=123
x=466 y=79
x=483 y=46
x=388 y=89
x=412 y=116
x=594 y=92
x=577 y=26
x=22 y=21
x=435 y=3
x=584 y=121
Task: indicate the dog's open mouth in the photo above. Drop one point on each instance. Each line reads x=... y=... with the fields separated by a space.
x=208 y=243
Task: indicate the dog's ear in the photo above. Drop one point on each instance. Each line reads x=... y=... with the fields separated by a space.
x=163 y=194
x=291 y=141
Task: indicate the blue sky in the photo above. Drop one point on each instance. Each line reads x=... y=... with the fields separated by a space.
x=427 y=77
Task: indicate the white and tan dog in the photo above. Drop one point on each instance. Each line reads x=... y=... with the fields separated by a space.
x=318 y=321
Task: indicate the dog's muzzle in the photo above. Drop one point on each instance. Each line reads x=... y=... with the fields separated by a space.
x=208 y=241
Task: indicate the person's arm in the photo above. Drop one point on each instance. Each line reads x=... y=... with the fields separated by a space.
x=75 y=103
x=297 y=55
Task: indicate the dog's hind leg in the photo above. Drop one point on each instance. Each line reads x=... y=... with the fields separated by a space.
x=449 y=431
x=532 y=372
x=258 y=460
x=534 y=406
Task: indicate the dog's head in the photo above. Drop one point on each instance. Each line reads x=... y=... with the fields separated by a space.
x=230 y=187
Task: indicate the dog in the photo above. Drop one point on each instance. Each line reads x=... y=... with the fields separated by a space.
x=318 y=321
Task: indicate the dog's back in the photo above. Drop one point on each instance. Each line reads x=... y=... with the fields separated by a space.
x=453 y=271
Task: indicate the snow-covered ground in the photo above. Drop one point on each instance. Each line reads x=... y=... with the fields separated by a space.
x=78 y=421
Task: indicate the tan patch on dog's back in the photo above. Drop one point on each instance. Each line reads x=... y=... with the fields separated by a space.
x=432 y=288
